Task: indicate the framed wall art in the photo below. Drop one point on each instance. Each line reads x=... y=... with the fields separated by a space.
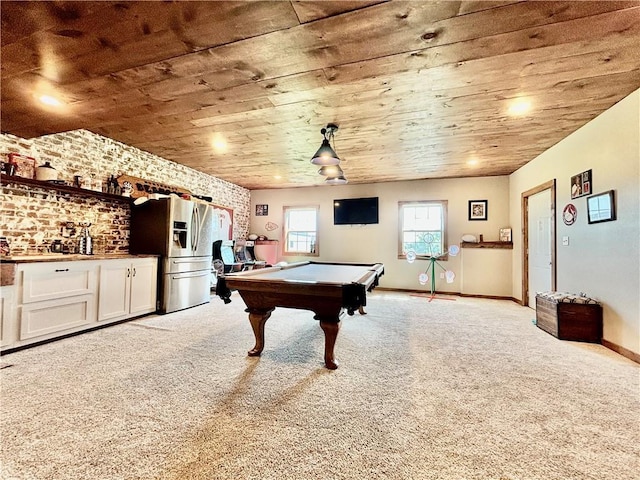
x=262 y=210
x=581 y=184
x=601 y=207
x=478 y=209
x=24 y=166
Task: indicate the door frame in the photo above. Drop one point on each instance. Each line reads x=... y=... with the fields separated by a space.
x=550 y=185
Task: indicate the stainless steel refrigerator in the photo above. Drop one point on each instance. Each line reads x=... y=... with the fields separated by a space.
x=181 y=231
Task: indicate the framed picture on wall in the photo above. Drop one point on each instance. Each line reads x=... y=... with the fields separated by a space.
x=601 y=207
x=478 y=209
x=24 y=166
x=262 y=210
x=581 y=184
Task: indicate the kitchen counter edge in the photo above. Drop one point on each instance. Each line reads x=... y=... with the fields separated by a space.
x=70 y=257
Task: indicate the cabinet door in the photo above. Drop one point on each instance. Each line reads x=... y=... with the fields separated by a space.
x=7 y=316
x=144 y=279
x=115 y=281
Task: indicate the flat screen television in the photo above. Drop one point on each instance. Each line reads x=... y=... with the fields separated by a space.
x=355 y=211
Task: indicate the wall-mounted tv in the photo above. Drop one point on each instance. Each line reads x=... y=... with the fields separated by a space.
x=355 y=211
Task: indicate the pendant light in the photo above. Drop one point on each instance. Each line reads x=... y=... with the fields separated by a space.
x=326 y=155
x=334 y=174
x=336 y=180
x=331 y=171
x=328 y=159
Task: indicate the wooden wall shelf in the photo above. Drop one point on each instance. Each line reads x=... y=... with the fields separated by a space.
x=507 y=245
x=12 y=179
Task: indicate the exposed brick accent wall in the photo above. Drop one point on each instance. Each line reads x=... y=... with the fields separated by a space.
x=31 y=217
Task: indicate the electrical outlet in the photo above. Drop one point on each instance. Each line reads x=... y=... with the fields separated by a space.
x=565 y=241
x=442 y=275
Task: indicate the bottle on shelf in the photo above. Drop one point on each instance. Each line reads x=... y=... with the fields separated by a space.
x=5 y=249
x=110 y=185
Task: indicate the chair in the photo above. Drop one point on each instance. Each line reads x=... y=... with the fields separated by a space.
x=224 y=260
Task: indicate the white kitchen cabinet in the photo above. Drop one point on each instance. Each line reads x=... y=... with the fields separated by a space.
x=128 y=288
x=8 y=321
x=56 y=297
x=49 y=299
x=144 y=286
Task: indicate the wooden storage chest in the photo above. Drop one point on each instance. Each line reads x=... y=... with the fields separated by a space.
x=569 y=317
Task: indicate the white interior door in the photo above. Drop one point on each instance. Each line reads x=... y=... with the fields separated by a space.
x=540 y=246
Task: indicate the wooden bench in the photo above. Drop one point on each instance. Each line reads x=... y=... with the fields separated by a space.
x=569 y=317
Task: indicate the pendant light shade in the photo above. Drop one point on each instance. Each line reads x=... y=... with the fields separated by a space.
x=326 y=155
x=336 y=180
x=331 y=171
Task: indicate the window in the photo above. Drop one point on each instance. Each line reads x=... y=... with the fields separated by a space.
x=301 y=230
x=422 y=228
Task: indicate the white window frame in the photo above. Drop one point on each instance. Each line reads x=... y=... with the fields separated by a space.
x=443 y=227
x=315 y=245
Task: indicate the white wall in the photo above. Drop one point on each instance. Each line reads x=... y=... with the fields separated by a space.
x=602 y=260
x=486 y=271
x=378 y=243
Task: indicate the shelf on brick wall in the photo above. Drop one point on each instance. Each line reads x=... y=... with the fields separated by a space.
x=12 y=179
x=508 y=245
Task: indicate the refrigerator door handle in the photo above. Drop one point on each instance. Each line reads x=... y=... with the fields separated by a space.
x=195 y=228
x=204 y=273
x=179 y=260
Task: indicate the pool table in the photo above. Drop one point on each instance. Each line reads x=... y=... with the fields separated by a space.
x=327 y=289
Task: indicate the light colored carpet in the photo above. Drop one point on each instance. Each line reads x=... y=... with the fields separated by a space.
x=462 y=390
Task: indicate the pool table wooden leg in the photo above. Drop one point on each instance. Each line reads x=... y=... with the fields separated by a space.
x=330 y=330
x=258 y=318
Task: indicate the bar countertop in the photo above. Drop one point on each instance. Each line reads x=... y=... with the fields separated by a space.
x=9 y=264
x=62 y=257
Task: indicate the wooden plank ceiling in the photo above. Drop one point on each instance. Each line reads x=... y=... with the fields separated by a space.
x=240 y=90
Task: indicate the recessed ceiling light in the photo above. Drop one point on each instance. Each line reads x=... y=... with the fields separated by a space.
x=278 y=177
x=520 y=106
x=472 y=162
x=49 y=100
x=219 y=143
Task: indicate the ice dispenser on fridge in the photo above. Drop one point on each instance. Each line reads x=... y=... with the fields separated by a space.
x=180 y=234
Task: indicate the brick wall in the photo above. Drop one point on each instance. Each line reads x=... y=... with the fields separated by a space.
x=32 y=217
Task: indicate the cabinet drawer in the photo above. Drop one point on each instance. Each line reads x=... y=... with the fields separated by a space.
x=56 y=280
x=56 y=316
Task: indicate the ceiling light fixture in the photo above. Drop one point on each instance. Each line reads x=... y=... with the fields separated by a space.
x=325 y=154
x=49 y=100
x=219 y=143
x=328 y=159
x=336 y=180
x=519 y=107
x=331 y=171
